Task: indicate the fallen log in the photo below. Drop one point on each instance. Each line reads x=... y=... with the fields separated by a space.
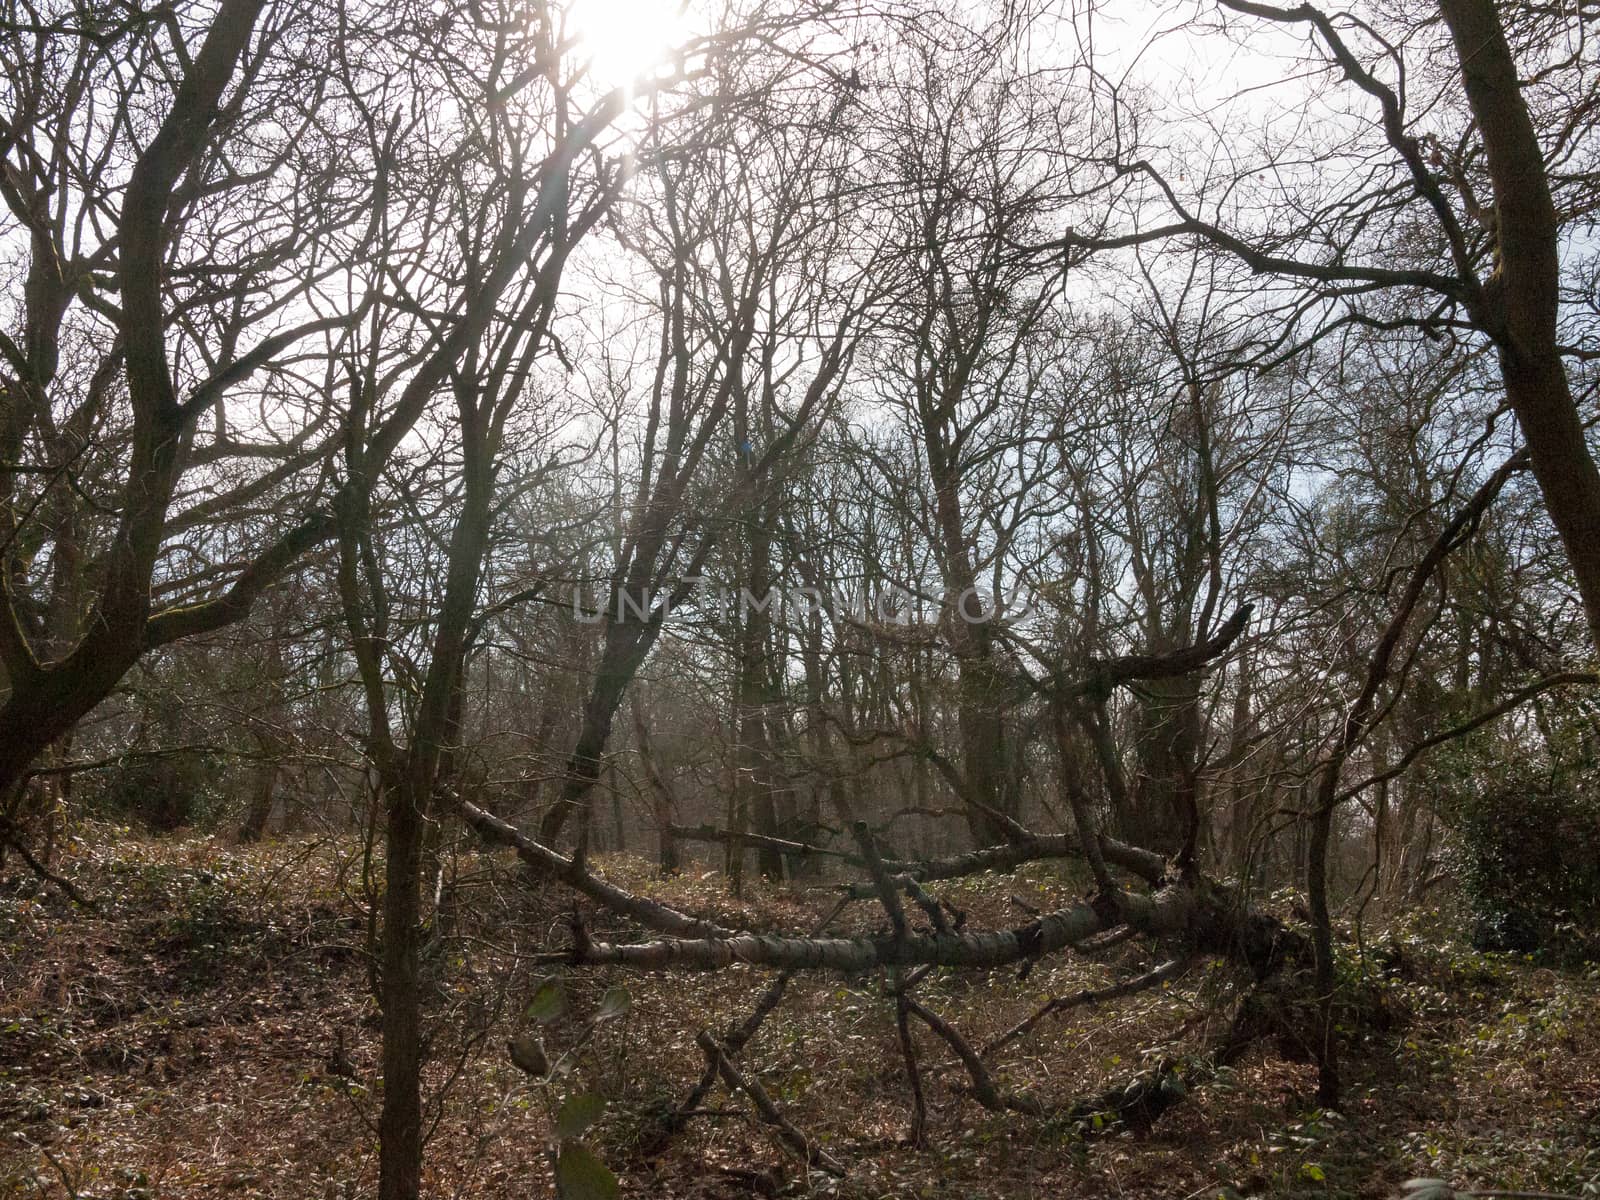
x=1204 y=916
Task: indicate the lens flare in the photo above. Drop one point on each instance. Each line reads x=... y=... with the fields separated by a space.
x=625 y=40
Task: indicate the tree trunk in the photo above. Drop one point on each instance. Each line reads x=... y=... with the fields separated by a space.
x=259 y=813
x=47 y=699
x=1163 y=815
x=754 y=776
x=983 y=746
x=400 y=1124
x=409 y=790
x=627 y=642
x=1520 y=302
x=662 y=802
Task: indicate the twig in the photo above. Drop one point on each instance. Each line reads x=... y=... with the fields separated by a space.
x=1166 y=971
x=738 y=1037
x=45 y=873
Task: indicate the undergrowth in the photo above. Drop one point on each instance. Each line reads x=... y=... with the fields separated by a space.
x=208 y=1030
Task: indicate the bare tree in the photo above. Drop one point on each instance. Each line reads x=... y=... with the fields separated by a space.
x=126 y=336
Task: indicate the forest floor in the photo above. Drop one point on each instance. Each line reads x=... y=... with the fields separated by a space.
x=207 y=1030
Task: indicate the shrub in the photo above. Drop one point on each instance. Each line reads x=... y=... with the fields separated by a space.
x=1525 y=812
x=163 y=793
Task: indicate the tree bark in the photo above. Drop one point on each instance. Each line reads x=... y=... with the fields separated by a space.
x=48 y=699
x=662 y=802
x=256 y=817
x=1521 y=299
x=753 y=763
x=400 y=1123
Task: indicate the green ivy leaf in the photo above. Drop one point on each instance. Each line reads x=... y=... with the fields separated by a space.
x=578 y=1113
x=615 y=1003
x=528 y=1053
x=549 y=1001
x=582 y=1176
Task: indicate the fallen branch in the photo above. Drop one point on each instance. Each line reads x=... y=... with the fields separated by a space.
x=1145 y=864
x=759 y=841
x=769 y=1112
x=736 y=1039
x=984 y=1089
x=45 y=874
x=1028 y=847
x=917 y=1135
x=650 y=913
x=887 y=894
x=1165 y=972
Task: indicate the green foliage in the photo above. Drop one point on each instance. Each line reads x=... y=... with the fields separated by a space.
x=615 y=1003
x=577 y=1113
x=1524 y=806
x=582 y=1176
x=548 y=1003
x=162 y=793
x=1529 y=846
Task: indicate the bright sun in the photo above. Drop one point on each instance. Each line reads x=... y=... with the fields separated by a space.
x=627 y=39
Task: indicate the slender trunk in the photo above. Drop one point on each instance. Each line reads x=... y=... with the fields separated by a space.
x=754 y=754
x=737 y=820
x=400 y=1123
x=409 y=796
x=259 y=813
x=626 y=645
x=1326 y=1045
x=980 y=715
x=540 y=749
x=662 y=803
